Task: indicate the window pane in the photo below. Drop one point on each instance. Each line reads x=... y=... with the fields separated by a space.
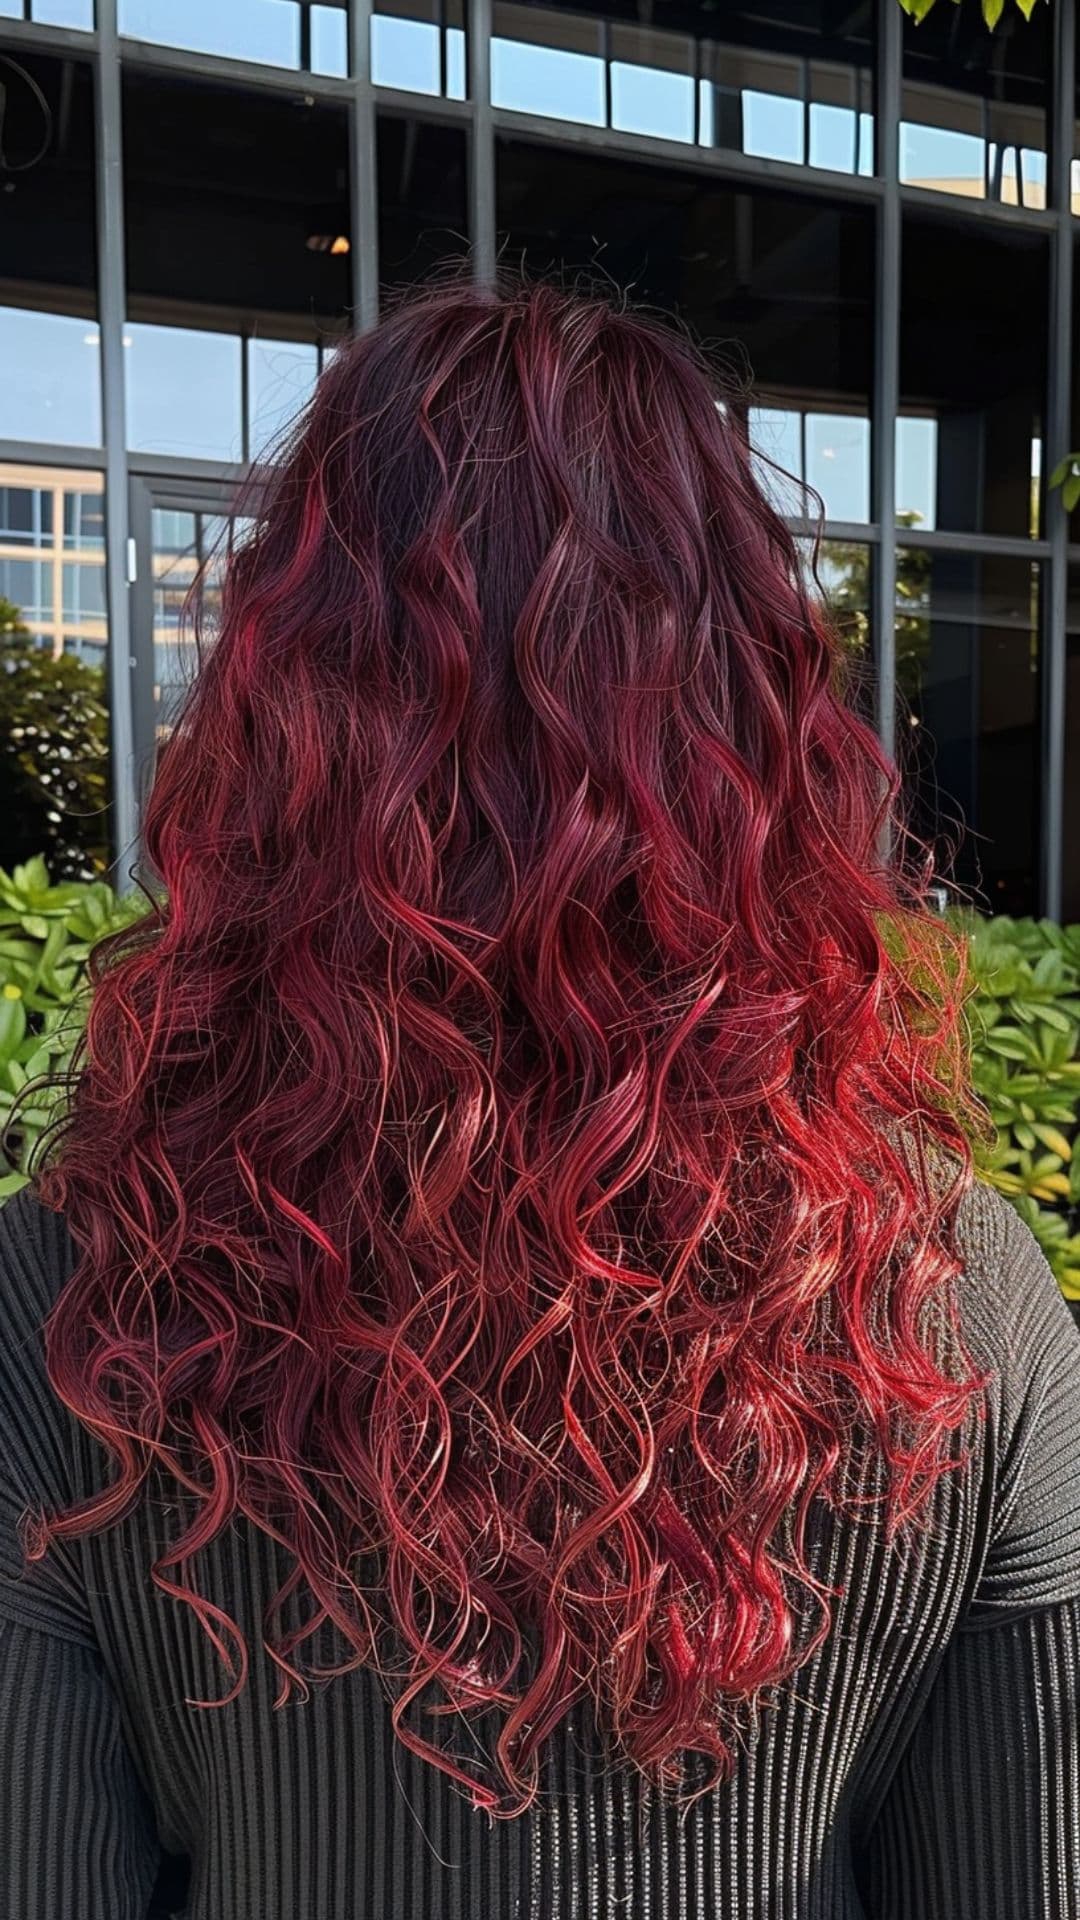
x=782 y=284
x=54 y=389
x=281 y=376
x=974 y=105
x=793 y=83
x=776 y=436
x=548 y=62
x=53 y=713
x=84 y=592
x=84 y=519
x=261 y=30
x=175 y=565
x=183 y=392
x=916 y=470
x=967 y=681
x=423 y=217
x=797 y=88
x=49 y=347
x=25 y=516
x=419 y=46
x=329 y=40
x=653 y=88
x=190 y=552
x=838 y=463
x=63 y=13
x=973 y=373
x=26 y=584
x=242 y=231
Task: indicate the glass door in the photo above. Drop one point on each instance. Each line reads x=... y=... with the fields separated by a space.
x=182 y=533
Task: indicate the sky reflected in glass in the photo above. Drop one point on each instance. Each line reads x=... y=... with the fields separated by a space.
x=57 y=394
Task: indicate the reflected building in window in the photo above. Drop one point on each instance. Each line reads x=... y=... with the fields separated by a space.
x=52 y=556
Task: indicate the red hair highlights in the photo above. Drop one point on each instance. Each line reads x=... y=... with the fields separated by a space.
x=511 y=1157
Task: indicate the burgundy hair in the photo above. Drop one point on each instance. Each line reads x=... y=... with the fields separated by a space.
x=518 y=1151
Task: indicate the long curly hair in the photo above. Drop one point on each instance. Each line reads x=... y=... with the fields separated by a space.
x=519 y=1152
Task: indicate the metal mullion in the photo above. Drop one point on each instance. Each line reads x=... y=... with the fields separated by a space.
x=109 y=201
x=989 y=545
x=1056 y=443
x=30 y=36
x=363 y=184
x=255 y=75
x=862 y=533
x=955 y=207
x=186 y=469
x=400 y=103
x=721 y=163
x=48 y=453
x=481 y=143
x=886 y=395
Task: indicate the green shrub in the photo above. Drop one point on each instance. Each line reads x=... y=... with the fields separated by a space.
x=1025 y=1034
x=1024 y=1016
x=46 y=933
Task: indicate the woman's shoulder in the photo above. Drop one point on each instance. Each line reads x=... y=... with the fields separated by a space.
x=1019 y=1326
x=1011 y=1305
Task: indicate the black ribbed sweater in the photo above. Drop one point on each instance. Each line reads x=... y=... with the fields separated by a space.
x=924 y=1764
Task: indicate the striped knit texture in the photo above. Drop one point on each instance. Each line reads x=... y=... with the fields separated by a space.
x=924 y=1764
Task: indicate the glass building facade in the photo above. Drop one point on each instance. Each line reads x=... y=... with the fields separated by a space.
x=876 y=224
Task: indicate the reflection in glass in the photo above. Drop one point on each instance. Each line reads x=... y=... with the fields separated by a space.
x=190 y=554
x=656 y=98
x=798 y=90
x=57 y=395
x=26 y=515
x=281 y=376
x=184 y=392
x=807 y=99
x=51 y=13
x=25 y=584
x=916 y=471
x=974 y=106
x=267 y=31
x=84 y=592
x=826 y=452
x=967 y=681
x=276 y=33
x=329 y=40
x=63 y=13
x=973 y=324
x=237 y=221
x=839 y=575
x=57 y=515
x=423 y=217
x=53 y=715
x=419 y=46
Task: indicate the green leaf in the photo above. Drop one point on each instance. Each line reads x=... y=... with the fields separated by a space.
x=1056 y=1141
x=1070 y=492
x=1053 y=1017
x=992 y=11
x=12 y=1025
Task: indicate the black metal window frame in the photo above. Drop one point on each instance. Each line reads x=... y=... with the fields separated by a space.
x=110 y=54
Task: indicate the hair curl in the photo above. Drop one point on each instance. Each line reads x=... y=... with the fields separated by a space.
x=517 y=1150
